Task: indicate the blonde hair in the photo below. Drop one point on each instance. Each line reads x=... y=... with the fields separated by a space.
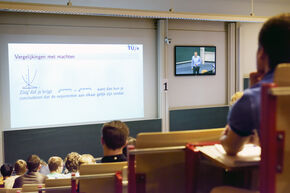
x=86 y=159
x=236 y=97
x=131 y=141
x=54 y=163
x=20 y=167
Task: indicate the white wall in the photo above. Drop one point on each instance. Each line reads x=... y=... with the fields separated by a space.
x=191 y=91
x=248 y=48
x=3 y=104
x=236 y=7
x=1 y=145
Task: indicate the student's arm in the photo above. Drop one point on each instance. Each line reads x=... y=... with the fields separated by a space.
x=232 y=142
x=241 y=124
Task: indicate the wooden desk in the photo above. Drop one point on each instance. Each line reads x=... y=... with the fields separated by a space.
x=248 y=157
x=239 y=170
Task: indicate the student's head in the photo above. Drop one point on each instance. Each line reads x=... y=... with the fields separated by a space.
x=55 y=164
x=235 y=97
x=20 y=167
x=274 y=42
x=195 y=53
x=115 y=135
x=72 y=161
x=6 y=170
x=131 y=141
x=33 y=163
x=86 y=159
x=42 y=163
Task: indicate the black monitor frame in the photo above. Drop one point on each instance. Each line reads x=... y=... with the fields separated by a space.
x=193 y=46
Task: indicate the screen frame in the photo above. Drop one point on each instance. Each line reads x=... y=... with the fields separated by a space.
x=176 y=46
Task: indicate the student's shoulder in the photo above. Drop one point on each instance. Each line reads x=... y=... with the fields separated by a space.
x=18 y=182
x=243 y=114
x=56 y=176
x=249 y=96
x=113 y=158
x=19 y=178
x=41 y=176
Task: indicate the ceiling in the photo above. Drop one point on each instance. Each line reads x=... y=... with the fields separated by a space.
x=230 y=7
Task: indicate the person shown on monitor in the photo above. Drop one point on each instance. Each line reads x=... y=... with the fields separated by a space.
x=114 y=139
x=195 y=63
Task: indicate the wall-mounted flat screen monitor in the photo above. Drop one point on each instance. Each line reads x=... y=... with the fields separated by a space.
x=195 y=60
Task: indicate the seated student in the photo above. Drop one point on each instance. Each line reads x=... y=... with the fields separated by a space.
x=131 y=141
x=6 y=171
x=20 y=168
x=244 y=117
x=32 y=176
x=114 y=139
x=86 y=159
x=55 y=165
x=43 y=167
x=72 y=164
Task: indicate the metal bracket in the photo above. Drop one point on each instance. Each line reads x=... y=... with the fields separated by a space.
x=280 y=150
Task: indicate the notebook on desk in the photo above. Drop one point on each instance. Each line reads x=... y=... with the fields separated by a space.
x=249 y=156
x=250 y=153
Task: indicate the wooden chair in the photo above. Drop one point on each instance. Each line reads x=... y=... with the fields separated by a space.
x=57 y=186
x=99 y=178
x=10 y=190
x=121 y=181
x=57 y=182
x=160 y=160
x=227 y=189
x=31 y=187
x=275 y=133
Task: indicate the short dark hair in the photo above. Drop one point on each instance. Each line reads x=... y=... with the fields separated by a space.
x=115 y=134
x=274 y=37
x=6 y=170
x=33 y=163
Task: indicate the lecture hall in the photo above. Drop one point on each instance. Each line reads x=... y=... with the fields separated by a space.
x=140 y=96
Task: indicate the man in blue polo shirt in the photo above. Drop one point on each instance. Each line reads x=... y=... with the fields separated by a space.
x=244 y=117
x=195 y=63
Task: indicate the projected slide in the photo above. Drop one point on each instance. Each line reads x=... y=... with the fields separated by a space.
x=59 y=84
